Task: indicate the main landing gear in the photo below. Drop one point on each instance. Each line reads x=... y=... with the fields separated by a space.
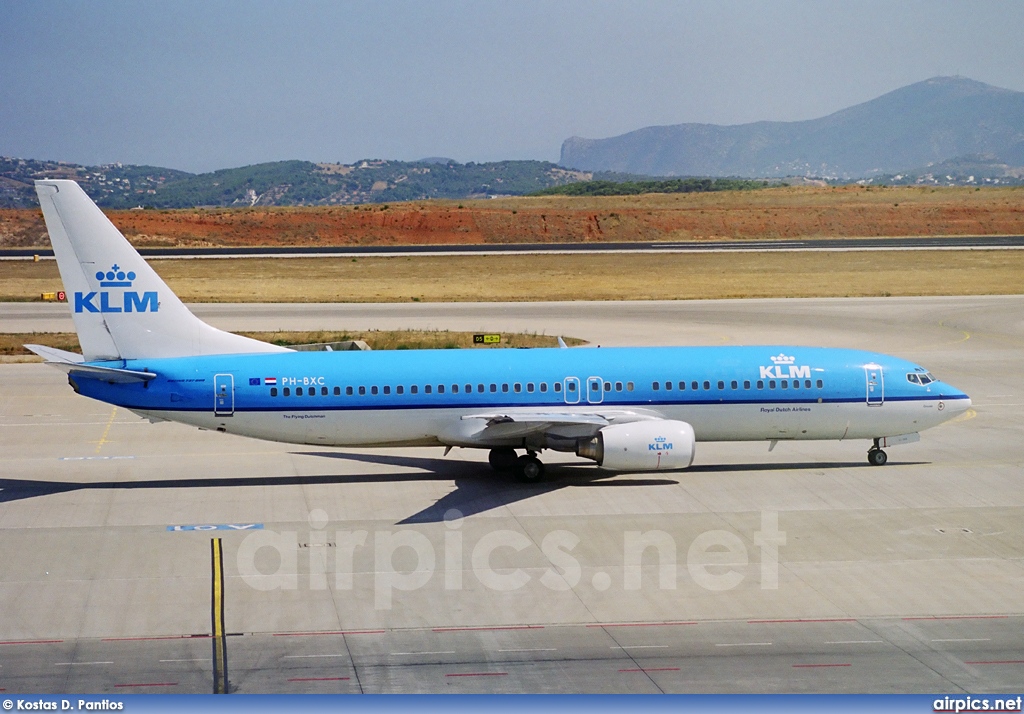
x=527 y=468
x=876 y=457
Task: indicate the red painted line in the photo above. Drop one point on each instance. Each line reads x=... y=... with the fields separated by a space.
x=1000 y=661
x=318 y=679
x=652 y=669
x=641 y=624
x=167 y=637
x=477 y=674
x=149 y=684
x=823 y=619
x=32 y=642
x=487 y=629
x=961 y=617
x=846 y=664
x=339 y=632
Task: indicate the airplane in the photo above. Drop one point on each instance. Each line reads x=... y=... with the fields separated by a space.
x=627 y=409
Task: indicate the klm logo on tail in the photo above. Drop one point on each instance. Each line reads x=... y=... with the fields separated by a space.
x=130 y=300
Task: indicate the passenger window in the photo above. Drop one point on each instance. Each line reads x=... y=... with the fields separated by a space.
x=494 y=387
x=682 y=386
x=387 y=390
x=629 y=386
x=399 y=389
x=721 y=384
x=455 y=389
x=819 y=384
x=618 y=386
x=348 y=391
x=414 y=389
x=707 y=385
x=734 y=385
x=607 y=386
x=807 y=384
x=771 y=384
x=785 y=384
x=337 y=391
x=760 y=384
x=571 y=386
x=796 y=384
x=504 y=387
x=469 y=389
x=428 y=388
x=298 y=391
x=746 y=384
x=273 y=391
x=440 y=389
x=373 y=389
x=323 y=391
x=694 y=386
x=668 y=385
x=287 y=392
x=517 y=387
x=543 y=386
x=654 y=386
x=529 y=387
x=557 y=386
x=362 y=391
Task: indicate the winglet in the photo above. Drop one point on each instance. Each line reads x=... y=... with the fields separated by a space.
x=561 y=343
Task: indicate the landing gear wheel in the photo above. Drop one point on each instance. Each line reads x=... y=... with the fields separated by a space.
x=502 y=459
x=877 y=457
x=529 y=469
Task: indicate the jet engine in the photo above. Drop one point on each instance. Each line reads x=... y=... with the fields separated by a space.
x=641 y=446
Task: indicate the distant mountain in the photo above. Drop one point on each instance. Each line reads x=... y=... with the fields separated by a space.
x=285 y=183
x=924 y=123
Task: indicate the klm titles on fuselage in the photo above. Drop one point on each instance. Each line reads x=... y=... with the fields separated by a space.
x=784 y=368
x=130 y=300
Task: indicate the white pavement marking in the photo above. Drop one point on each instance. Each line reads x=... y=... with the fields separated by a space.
x=396 y=654
x=312 y=656
x=744 y=644
x=854 y=642
x=75 y=664
x=966 y=639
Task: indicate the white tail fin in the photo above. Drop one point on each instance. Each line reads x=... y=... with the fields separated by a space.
x=121 y=307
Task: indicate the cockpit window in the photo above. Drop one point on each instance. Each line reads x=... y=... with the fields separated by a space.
x=921 y=377
x=912 y=378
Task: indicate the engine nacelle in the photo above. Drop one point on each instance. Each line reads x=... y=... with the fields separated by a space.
x=641 y=446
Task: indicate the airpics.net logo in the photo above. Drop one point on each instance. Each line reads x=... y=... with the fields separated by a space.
x=461 y=557
x=106 y=301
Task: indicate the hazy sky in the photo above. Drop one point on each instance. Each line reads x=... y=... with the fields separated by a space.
x=206 y=85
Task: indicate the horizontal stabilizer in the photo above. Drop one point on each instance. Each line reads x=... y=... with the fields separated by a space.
x=52 y=354
x=73 y=364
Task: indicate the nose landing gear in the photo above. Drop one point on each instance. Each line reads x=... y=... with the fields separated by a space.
x=877 y=457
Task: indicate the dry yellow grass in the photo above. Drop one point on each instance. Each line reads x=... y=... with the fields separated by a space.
x=12 y=344
x=567 y=277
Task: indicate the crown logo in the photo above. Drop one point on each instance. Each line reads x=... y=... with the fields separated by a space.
x=115 y=277
x=783 y=359
x=659 y=439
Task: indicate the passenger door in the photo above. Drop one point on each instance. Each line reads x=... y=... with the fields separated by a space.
x=875 y=383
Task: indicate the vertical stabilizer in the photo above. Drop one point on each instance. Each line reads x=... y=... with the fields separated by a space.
x=122 y=309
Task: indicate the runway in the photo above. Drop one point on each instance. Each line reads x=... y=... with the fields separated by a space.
x=802 y=569
x=733 y=246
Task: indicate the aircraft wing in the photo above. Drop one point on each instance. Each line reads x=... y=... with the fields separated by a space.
x=520 y=423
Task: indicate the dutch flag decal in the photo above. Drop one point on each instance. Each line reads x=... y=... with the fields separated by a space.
x=270 y=380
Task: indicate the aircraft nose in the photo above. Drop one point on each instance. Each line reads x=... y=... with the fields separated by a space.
x=955 y=400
